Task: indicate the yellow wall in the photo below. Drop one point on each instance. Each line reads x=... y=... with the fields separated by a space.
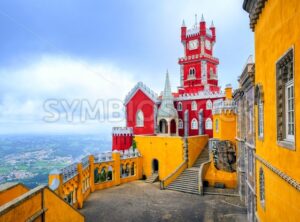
x=277 y=30
x=213 y=176
x=58 y=210
x=195 y=146
x=37 y=202
x=167 y=150
x=12 y=193
x=227 y=126
x=282 y=202
x=24 y=210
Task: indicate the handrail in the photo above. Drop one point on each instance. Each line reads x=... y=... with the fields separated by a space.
x=201 y=175
x=169 y=179
x=21 y=199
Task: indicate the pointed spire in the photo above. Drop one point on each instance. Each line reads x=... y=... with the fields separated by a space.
x=167 y=109
x=196 y=20
x=183 y=23
x=167 y=91
x=202 y=18
x=212 y=24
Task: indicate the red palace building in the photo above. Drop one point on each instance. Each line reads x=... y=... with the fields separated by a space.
x=188 y=111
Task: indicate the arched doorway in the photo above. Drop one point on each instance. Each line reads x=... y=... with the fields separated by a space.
x=173 y=127
x=154 y=166
x=163 y=126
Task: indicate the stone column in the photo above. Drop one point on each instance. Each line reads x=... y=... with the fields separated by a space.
x=92 y=171
x=117 y=164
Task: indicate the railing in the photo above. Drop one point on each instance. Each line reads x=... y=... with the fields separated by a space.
x=69 y=172
x=226 y=105
x=202 y=171
x=32 y=205
x=169 y=179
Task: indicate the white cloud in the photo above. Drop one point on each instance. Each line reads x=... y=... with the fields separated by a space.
x=25 y=89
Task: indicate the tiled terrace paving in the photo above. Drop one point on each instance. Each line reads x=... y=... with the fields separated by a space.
x=140 y=201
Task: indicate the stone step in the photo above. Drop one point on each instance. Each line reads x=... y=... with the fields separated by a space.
x=191 y=191
x=219 y=191
x=184 y=184
x=153 y=178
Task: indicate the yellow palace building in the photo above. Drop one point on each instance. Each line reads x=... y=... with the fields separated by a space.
x=276 y=27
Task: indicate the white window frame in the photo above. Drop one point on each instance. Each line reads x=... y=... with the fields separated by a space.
x=209 y=104
x=179 y=106
x=208 y=124
x=192 y=73
x=194 y=124
x=260 y=110
x=194 y=105
x=180 y=124
x=139 y=121
x=290 y=111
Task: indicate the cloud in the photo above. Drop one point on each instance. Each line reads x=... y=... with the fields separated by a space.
x=25 y=89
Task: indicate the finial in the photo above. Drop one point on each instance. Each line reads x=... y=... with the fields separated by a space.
x=202 y=18
x=196 y=19
x=183 y=23
x=212 y=24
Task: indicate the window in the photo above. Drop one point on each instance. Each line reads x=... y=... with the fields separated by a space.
x=139 y=119
x=194 y=105
x=194 y=124
x=285 y=100
x=208 y=105
x=217 y=125
x=260 y=110
x=250 y=161
x=180 y=124
x=192 y=73
x=289 y=107
x=179 y=106
x=262 y=186
x=208 y=124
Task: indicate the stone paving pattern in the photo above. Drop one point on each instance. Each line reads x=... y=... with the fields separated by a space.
x=140 y=201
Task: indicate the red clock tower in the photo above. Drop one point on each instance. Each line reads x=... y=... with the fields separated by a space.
x=198 y=67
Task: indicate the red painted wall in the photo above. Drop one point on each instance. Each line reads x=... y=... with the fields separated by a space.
x=140 y=101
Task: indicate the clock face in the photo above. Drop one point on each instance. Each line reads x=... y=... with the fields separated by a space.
x=207 y=45
x=193 y=44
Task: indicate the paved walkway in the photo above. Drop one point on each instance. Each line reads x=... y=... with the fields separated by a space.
x=139 y=201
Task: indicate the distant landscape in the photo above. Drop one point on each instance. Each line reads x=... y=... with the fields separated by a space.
x=30 y=158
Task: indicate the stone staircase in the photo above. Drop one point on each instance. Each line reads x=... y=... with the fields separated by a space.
x=153 y=178
x=220 y=191
x=188 y=181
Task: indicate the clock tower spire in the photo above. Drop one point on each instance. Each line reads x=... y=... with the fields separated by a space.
x=198 y=65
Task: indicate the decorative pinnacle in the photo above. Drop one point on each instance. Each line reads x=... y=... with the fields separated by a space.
x=183 y=23
x=212 y=24
x=202 y=18
x=196 y=20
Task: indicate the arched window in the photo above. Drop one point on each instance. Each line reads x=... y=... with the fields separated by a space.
x=139 y=118
x=217 y=125
x=208 y=124
x=209 y=105
x=260 y=110
x=180 y=124
x=192 y=73
x=194 y=105
x=179 y=106
x=194 y=124
x=262 y=186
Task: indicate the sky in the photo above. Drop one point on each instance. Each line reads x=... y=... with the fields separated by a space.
x=71 y=51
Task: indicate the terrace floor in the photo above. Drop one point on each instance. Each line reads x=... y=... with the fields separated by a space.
x=139 y=201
